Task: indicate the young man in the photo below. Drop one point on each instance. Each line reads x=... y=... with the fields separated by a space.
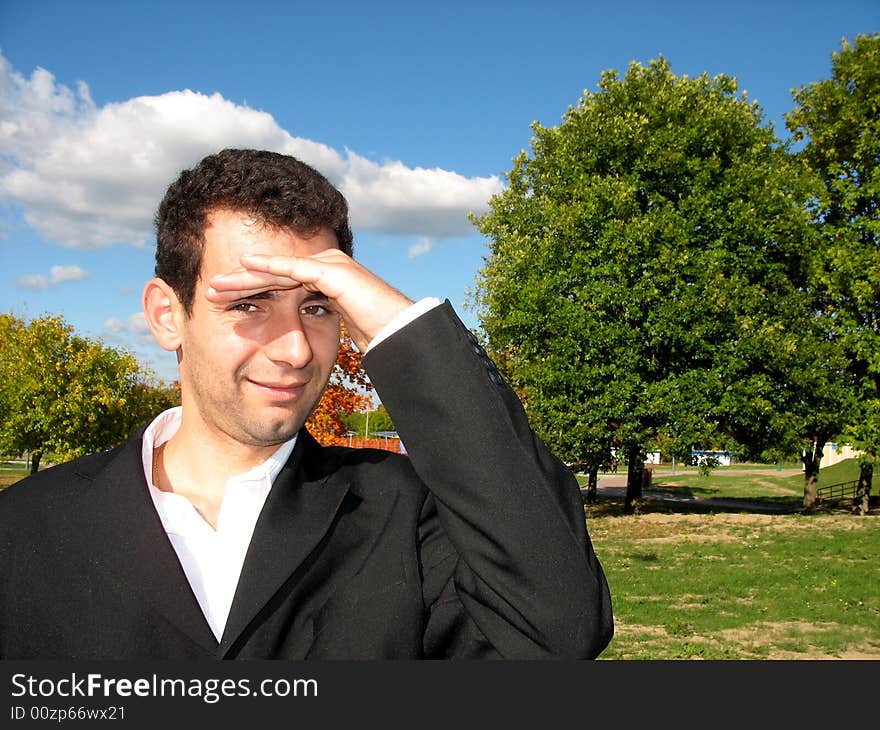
x=224 y=530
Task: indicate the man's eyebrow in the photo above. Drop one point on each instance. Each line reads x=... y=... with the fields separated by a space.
x=270 y=294
x=316 y=296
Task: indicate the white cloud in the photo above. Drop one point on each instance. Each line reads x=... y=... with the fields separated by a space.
x=34 y=282
x=422 y=247
x=137 y=324
x=393 y=198
x=114 y=325
x=57 y=275
x=88 y=176
x=68 y=273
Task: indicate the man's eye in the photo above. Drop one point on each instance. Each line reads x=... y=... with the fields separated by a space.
x=315 y=310
x=243 y=307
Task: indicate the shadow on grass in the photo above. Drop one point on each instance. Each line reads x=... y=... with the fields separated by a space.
x=659 y=502
x=684 y=491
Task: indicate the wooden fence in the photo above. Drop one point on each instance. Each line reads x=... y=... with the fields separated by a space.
x=359 y=442
x=837 y=492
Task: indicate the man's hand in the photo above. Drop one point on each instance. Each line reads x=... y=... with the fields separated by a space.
x=365 y=302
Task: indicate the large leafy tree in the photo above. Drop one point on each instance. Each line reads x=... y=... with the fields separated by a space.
x=68 y=395
x=839 y=121
x=646 y=276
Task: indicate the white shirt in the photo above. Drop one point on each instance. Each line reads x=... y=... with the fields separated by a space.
x=212 y=559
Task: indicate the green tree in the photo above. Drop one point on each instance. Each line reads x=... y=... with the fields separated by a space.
x=379 y=420
x=68 y=395
x=839 y=119
x=147 y=399
x=645 y=277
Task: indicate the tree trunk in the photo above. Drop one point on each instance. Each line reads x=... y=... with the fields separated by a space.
x=592 y=483
x=635 y=472
x=863 y=491
x=35 y=461
x=811 y=459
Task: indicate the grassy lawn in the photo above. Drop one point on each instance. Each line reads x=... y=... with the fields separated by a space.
x=748 y=481
x=11 y=472
x=695 y=582
x=12 y=467
x=742 y=586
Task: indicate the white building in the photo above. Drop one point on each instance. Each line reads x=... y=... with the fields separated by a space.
x=722 y=457
x=833 y=453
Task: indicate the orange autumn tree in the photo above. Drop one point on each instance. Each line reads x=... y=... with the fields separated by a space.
x=345 y=393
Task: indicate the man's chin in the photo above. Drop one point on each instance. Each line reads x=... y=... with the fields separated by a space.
x=273 y=432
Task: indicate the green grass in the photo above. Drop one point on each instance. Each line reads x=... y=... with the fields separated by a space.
x=767 y=487
x=694 y=581
x=12 y=467
x=741 y=586
x=750 y=479
x=11 y=472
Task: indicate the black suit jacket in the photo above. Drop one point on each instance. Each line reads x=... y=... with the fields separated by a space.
x=473 y=546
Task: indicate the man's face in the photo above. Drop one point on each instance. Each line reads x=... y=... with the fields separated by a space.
x=252 y=370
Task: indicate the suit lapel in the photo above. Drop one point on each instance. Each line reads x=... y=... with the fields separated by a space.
x=133 y=544
x=300 y=508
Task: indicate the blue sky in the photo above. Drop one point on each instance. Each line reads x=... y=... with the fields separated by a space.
x=415 y=110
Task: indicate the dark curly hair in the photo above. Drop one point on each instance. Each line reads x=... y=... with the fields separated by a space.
x=277 y=190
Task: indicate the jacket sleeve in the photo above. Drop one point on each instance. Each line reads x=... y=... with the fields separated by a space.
x=523 y=571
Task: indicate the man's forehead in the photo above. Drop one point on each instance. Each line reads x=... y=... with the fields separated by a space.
x=242 y=229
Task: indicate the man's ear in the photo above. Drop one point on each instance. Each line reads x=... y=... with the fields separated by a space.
x=164 y=314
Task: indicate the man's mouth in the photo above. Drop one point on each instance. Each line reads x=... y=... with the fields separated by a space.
x=280 y=390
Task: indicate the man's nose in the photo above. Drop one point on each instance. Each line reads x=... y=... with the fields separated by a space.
x=289 y=344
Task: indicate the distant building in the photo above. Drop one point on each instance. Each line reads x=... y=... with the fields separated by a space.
x=700 y=457
x=833 y=453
